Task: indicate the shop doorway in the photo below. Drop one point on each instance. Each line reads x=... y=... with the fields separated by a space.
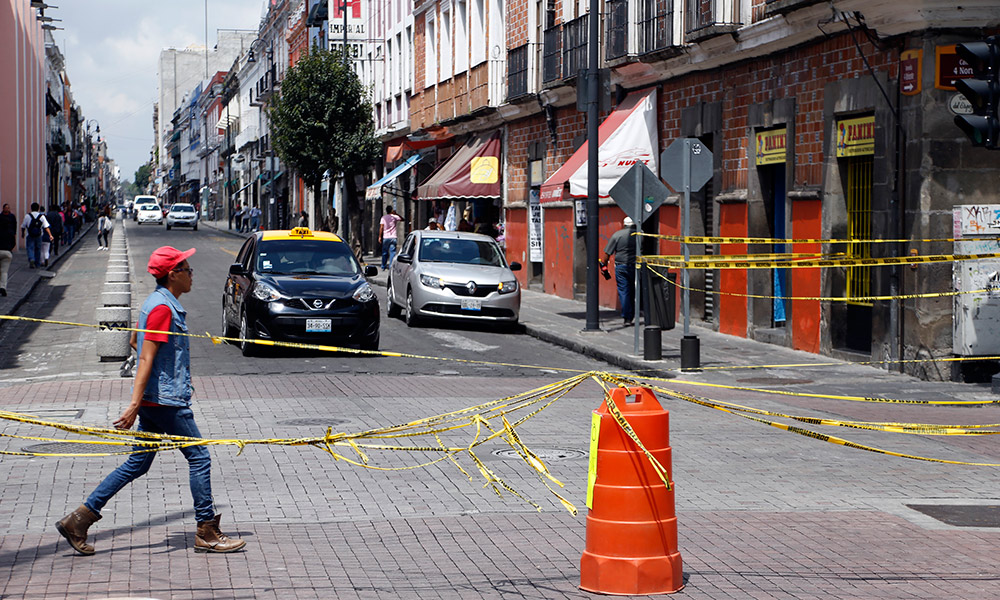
x=859 y=230
x=773 y=187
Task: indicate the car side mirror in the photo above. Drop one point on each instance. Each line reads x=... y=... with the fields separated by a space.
x=236 y=269
x=371 y=271
x=515 y=266
x=404 y=258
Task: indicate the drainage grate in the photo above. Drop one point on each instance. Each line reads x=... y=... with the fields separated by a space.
x=314 y=422
x=961 y=515
x=71 y=448
x=545 y=454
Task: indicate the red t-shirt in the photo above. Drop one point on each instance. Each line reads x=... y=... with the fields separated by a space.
x=158 y=320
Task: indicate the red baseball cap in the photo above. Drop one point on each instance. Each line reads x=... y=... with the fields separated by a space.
x=165 y=258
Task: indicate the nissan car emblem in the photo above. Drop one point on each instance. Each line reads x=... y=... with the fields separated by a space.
x=317 y=303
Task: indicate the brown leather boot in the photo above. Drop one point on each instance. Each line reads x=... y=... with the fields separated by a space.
x=211 y=539
x=74 y=528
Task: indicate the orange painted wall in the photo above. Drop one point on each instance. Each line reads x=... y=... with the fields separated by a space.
x=558 y=234
x=806 y=223
x=516 y=241
x=733 y=309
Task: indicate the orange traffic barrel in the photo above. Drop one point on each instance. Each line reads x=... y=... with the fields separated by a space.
x=631 y=546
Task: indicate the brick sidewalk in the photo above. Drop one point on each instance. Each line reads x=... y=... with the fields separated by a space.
x=761 y=513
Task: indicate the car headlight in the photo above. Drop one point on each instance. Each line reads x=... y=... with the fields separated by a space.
x=364 y=293
x=266 y=292
x=506 y=287
x=433 y=282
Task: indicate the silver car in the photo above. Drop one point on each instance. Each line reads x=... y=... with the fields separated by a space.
x=182 y=215
x=454 y=275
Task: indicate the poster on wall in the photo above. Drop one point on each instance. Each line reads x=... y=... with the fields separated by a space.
x=534 y=227
x=856 y=137
x=580 y=208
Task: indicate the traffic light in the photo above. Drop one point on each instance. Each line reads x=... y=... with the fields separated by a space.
x=982 y=91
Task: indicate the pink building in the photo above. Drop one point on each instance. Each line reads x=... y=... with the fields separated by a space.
x=22 y=106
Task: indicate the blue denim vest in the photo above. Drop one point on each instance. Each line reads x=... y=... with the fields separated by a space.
x=170 y=381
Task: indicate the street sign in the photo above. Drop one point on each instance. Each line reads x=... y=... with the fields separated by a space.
x=672 y=164
x=650 y=190
x=910 y=71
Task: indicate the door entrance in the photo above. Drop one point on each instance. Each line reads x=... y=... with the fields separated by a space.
x=859 y=230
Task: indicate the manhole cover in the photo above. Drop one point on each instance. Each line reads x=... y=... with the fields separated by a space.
x=773 y=381
x=313 y=422
x=543 y=453
x=961 y=515
x=71 y=448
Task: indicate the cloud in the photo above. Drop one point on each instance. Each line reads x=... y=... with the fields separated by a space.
x=112 y=49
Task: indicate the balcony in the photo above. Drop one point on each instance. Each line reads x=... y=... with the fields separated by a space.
x=616 y=35
x=710 y=18
x=656 y=31
x=551 y=53
x=266 y=85
x=574 y=48
x=517 y=73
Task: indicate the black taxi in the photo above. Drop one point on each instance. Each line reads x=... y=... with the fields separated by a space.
x=302 y=286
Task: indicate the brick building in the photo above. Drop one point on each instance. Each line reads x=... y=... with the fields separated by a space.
x=813 y=135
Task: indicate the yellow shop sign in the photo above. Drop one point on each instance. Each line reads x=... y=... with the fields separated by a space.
x=856 y=137
x=771 y=146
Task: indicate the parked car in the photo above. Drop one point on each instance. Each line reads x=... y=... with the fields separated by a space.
x=453 y=275
x=149 y=213
x=300 y=286
x=182 y=215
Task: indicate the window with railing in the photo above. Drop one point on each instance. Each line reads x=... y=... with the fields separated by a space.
x=574 y=53
x=517 y=72
x=656 y=30
x=616 y=36
x=551 y=53
x=703 y=14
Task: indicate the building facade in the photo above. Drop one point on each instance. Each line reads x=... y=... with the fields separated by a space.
x=824 y=122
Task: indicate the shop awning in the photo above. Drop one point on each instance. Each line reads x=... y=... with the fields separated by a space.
x=394 y=152
x=472 y=172
x=375 y=189
x=243 y=188
x=627 y=135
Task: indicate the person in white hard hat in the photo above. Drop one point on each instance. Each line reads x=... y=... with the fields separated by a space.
x=622 y=246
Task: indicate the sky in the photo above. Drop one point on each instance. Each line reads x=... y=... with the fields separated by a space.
x=112 y=47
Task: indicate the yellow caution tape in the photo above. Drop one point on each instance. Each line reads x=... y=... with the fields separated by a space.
x=695 y=239
x=665 y=261
x=885 y=298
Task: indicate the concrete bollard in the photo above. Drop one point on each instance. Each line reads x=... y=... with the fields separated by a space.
x=113 y=345
x=117 y=277
x=116 y=299
x=118 y=288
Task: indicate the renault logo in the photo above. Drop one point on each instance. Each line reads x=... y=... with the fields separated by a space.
x=471 y=286
x=317 y=303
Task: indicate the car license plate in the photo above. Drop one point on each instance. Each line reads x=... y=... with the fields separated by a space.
x=318 y=326
x=472 y=304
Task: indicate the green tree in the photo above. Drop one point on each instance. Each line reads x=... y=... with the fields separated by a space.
x=141 y=177
x=321 y=120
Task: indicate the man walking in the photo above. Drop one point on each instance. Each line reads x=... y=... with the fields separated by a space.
x=622 y=246
x=161 y=399
x=55 y=220
x=32 y=228
x=8 y=239
x=387 y=235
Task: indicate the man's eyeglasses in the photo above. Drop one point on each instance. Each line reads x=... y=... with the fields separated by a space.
x=187 y=270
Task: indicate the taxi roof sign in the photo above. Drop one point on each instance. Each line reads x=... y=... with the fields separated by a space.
x=300 y=233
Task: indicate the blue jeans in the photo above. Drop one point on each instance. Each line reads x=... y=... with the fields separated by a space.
x=174 y=421
x=388 y=251
x=625 y=278
x=33 y=245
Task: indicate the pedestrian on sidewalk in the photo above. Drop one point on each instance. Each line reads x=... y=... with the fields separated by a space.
x=387 y=235
x=622 y=246
x=8 y=239
x=33 y=228
x=55 y=219
x=303 y=220
x=255 y=218
x=104 y=227
x=161 y=399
